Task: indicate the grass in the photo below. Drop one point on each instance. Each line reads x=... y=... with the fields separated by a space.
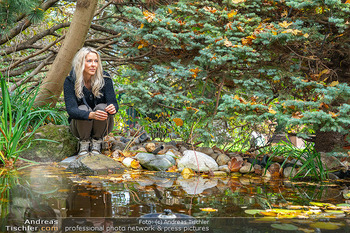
x=19 y=121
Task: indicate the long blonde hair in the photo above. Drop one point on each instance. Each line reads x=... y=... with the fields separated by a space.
x=97 y=81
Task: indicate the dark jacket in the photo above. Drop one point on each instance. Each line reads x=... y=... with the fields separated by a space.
x=72 y=102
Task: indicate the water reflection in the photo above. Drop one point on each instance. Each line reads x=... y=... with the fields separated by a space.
x=52 y=194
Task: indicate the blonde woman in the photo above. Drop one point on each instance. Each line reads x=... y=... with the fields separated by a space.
x=90 y=101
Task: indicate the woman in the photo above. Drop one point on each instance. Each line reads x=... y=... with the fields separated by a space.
x=90 y=101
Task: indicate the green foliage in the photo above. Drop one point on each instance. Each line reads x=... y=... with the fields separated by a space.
x=259 y=51
x=11 y=10
x=309 y=159
x=18 y=123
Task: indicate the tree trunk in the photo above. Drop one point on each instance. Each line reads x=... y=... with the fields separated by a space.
x=52 y=85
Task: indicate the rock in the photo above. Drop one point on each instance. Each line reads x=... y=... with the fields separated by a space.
x=196 y=185
x=150 y=147
x=155 y=162
x=206 y=150
x=332 y=163
x=95 y=164
x=222 y=159
x=258 y=169
x=182 y=149
x=275 y=169
x=247 y=168
x=289 y=172
x=196 y=160
x=47 y=151
x=113 y=145
x=214 y=155
x=224 y=168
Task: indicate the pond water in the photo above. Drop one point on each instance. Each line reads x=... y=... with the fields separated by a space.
x=47 y=198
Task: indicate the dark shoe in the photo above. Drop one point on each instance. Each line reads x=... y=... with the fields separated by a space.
x=84 y=147
x=96 y=146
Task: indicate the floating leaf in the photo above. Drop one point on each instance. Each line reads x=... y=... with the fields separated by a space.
x=208 y=209
x=253 y=211
x=285 y=227
x=320 y=204
x=325 y=225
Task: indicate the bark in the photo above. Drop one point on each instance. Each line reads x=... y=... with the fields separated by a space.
x=52 y=85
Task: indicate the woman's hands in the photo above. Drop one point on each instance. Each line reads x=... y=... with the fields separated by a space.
x=110 y=109
x=102 y=115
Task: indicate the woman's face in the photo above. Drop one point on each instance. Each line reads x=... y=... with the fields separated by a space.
x=91 y=64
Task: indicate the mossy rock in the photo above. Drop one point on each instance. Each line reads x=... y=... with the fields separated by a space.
x=65 y=144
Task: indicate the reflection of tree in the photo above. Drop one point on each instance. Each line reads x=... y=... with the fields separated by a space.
x=19 y=203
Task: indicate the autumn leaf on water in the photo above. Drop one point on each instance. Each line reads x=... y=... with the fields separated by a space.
x=178 y=121
x=209 y=209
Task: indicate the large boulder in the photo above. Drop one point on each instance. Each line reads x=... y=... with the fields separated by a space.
x=155 y=162
x=62 y=144
x=91 y=164
x=197 y=161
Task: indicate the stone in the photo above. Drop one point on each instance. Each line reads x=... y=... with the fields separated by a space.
x=332 y=163
x=150 y=147
x=258 y=169
x=275 y=169
x=197 y=161
x=289 y=172
x=247 y=168
x=95 y=165
x=222 y=159
x=224 y=168
x=155 y=162
x=206 y=150
x=62 y=144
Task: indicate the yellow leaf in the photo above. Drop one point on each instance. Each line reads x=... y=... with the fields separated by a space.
x=325 y=225
x=272 y=111
x=306 y=35
x=187 y=173
x=333 y=84
x=142 y=25
x=285 y=24
x=178 y=121
x=237 y=1
x=135 y=164
x=208 y=209
x=334 y=115
x=170 y=11
x=232 y=13
x=347 y=2
x=284 y=14
x=140 y=46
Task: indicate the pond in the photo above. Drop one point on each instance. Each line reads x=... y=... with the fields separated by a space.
x=47 y=198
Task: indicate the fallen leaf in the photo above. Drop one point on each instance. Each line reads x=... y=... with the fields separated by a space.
x=209 y=209
x=187 y=173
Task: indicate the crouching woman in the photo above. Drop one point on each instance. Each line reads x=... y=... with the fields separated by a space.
x=90 y=101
